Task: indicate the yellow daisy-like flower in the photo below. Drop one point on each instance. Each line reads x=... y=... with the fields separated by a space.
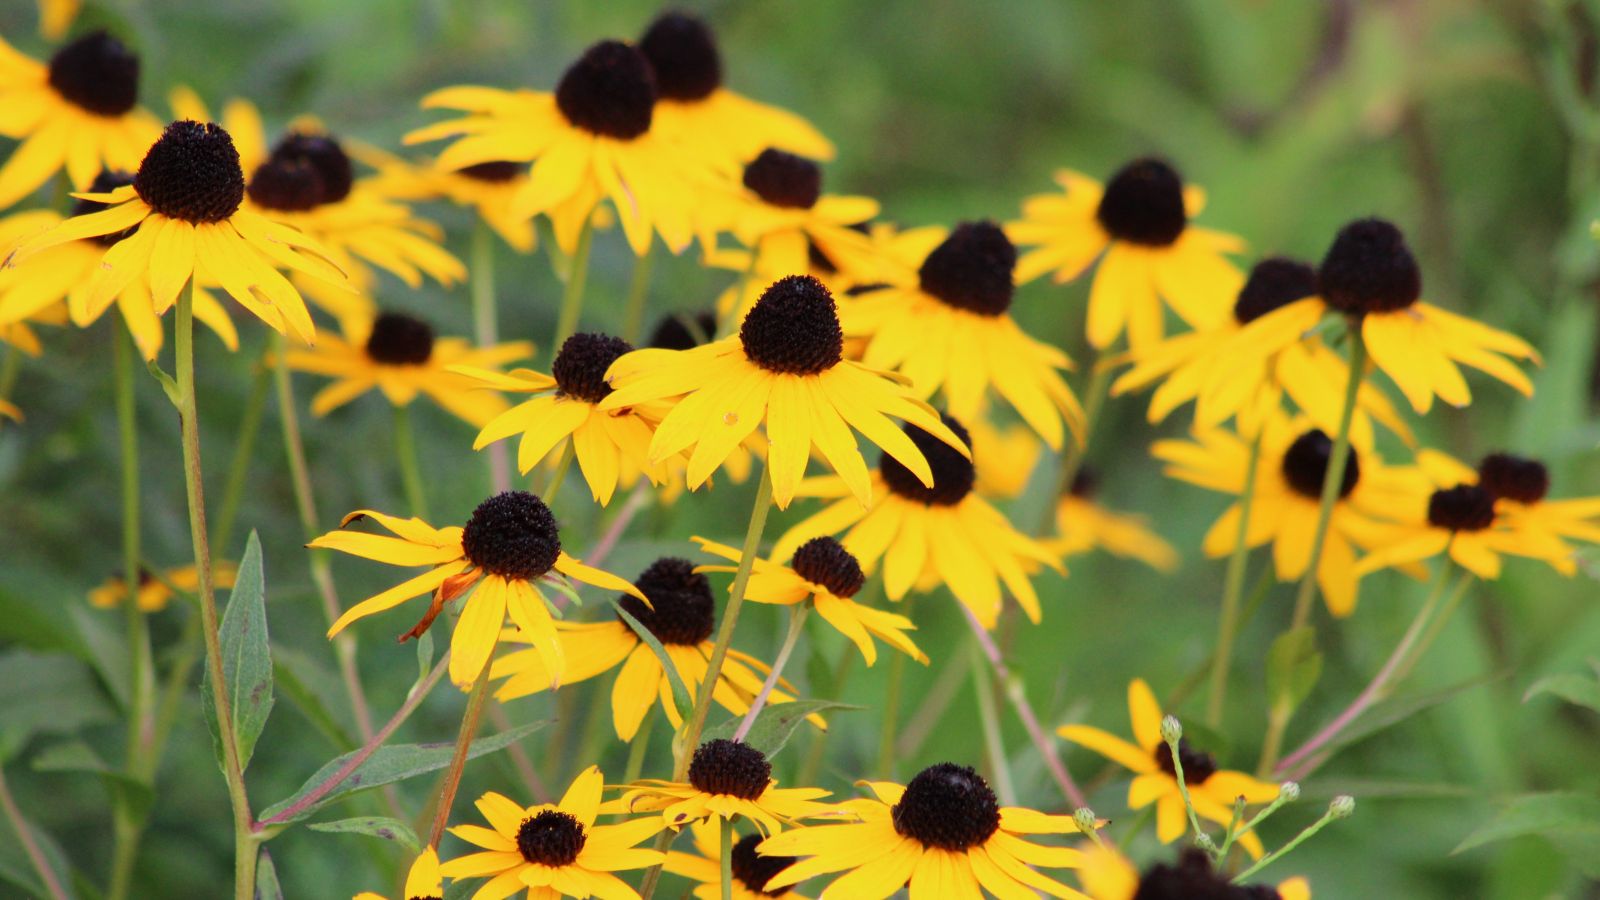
x=79 y=112
x=610 y=444
x=751 y=870
x=553 y=850
x=948 y=329
x=507 y=547
x=826 y=575
x=1108 y=875
x=1288 y=494
x=784 y=368
x=1138 y=227
x=726 y=779
x=184 y=211
x=489 y=188
x=944 y=834
x=693 y=108
x=1520 y=486
x=399 y=355
x=1370 y=276
x=926 y=536
x=592 y=139
x=1212 y=790
x=423 y=880
x=681 y=615
x=1083 y=525
x=154 y=593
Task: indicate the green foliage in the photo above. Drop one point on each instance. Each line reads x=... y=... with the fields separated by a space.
x=378 y=826
x=246 y=658
x=774 y=724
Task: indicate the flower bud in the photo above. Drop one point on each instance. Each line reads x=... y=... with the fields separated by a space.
x=1342 y=806
x=1289 y=791
x=1171 y=729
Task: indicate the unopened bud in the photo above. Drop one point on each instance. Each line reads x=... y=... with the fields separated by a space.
x=1342 y=806
x=1085 y=819
x=1204 y=842
x=1289 y=791
x=1171 y=729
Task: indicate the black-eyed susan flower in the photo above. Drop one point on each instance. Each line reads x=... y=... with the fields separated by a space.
x=553 y=850
x=1521 y=487
x=185 y=217
x=590 y=140
x=153 y=593
x=928 y=535
x=488 y=188
x=694 y=109
x=79 y=112
x=1211 y=789
x=949 y=330
x=751 y=870
x=1108 y=875
x=423 y=881
x=611 y=445
x=826 y=575
x=685 y=331
x=944 y=834
x=727 y=779
x=1084 y=525
x=681 y=615
x=785 y=369
x=1138 y=227
x=400 y=356
x=1371 y=278
x=509 y=544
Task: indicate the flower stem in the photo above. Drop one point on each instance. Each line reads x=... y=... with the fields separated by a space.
x=1299 y=839
x=639 y=745
x=10 y=367
x=577 y=277
x=891 y=709
x=725 y=838
x=812 y=764
x=638 y=291
x=1232 y=589
x=1072 y=459
x=458 y=761
x=1177 y=775
x=243 y=447
x=405 y=447
x=547 y=491
x=797 y=621
x=30 y=847
x=244 y=845
x=486 y=331
x=990 y=717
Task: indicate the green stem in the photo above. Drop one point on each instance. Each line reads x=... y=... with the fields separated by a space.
x=812 y=764
x=458 y=761
x=30 y=846
x=405 y=447
x=640 y=745
x=797 y=621
x=10 y=368
x=175 y=689
x=638 y=290
x=1197 y=675
x=243 y=448
x=1072 y=459
x=1233 y=587
x=725 y=839
x=552 y=484
x=577 y=277
x=1452 y=601
x=1299 y=839
x=1177 y=775
x=244 y=845
x=989 y=716
x=486 y=331
x=891 y=709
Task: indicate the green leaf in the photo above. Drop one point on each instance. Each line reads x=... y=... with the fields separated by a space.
x=680 y=691
x=1570 y=821
x=1578 y=689
x=46 y=693
x=775 y=724
x=16 y=868
x=1397 y=709
x=1293 y=666
x=390 y=764
x=377 y=826
x=246 y=658
x=108 y=651
x=168 y=386
x=298 y=676
x=424 y=657
x=76 y=756
x=267 y=886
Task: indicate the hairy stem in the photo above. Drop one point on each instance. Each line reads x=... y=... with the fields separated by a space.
x=797 y=621
x=458 y=761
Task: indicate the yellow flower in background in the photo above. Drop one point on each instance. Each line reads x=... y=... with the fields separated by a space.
x=825 y=574
x=1083 y=525
x=422 y=879
x=1108 y=875
x=726 y=779
x=949 y=330
x=694 y=109
x=1212 y=790
x=610 y=445
x=155 y=593
x=681 y=615
x=1138 y=227
x=77 y=113
x=1521 y=487
x=185 y=217
x=751 y=870
x=928 y=535
x=399 y=355
x=55 y=17
x=488 y=188
x=590 y=140
x=509 y=545
x=944 y=835
x=1004 y=458
x=553 y=849
x=1370 y=276
x=785 y=369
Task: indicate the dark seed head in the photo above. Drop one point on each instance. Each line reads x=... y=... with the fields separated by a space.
x=675 y=332
x=730 y=767
x=1369 y=269
x=824 y=561
x=1305 y=465
x=580 y=367
x=1465 y=507
x=683 y=52
x=972 y=269
x=104 y=183
x=1514 y=477
x=287 y=184
x=784 y=179
x=1086 y=483
x=399 y=340
x=953 y=474
x=947 y=806
x=682 y=610
x=513 y=535
x=1192 y=878
x=323 y=153
x=496 y=172
x=754 y=870
x=191 y=173
x=794 y=328
x=1274 y=283
x=1198 y=766
x=1143 y=204
x=97 y=73
x=609 y=91
x=551 y=838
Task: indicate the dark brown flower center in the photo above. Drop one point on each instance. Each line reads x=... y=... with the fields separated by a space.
x=730 y=767
x=1370 y=269
x=684 y=331
x=1305 y=466
x=825 y=562
x=580 y=367
x=784 y=179
x=1193 y=878
x=972 y=269
x=286 y=184
x=551 y=838
x=682 y=610
x=400 y=340
x=609 y=91
x=191 y=173
x=496 y=172
x=683 y=52
x=953 y=474
x=104 y=183
x=97 y=73
x=1198 y=766
x=1465 y=507
x=1514 y=477
x=1273 y=284
x=322 y=153
x=794 y=328
x=513 y=535
x=1143 y=204
x=949 y=807
x=754 y=870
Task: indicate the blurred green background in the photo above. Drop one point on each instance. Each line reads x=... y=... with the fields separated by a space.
x=1474 y=125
